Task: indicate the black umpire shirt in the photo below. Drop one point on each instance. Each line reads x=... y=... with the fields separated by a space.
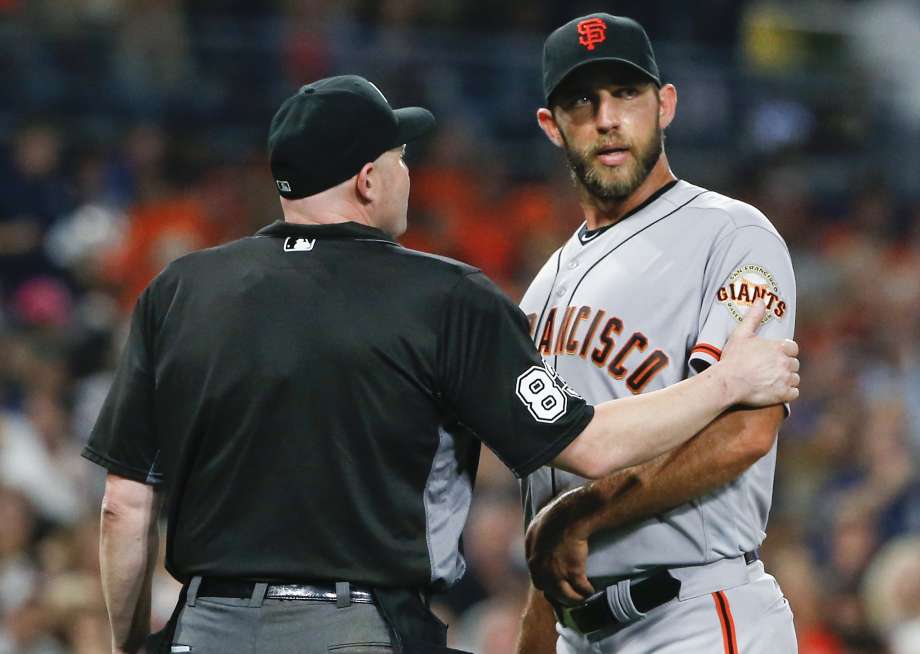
x=312 y=399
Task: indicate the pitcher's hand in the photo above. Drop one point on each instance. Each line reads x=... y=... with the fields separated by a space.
x=557 y=554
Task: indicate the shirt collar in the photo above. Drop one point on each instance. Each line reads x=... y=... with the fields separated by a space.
x=586 y=235
x=353 y=230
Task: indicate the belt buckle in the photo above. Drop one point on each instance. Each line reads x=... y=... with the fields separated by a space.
x=567 y=615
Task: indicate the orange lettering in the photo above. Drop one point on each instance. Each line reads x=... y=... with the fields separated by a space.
x=614 y=325
x=743 y=295
x=546 y=340
x=637 y=340
x=564 y=329
x=571 y=345
x=653 y=364
x=590 y=335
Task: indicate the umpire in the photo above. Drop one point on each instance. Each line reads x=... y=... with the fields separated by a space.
x=307 y=404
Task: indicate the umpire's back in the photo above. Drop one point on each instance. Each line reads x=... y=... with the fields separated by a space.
x=300 y=394
x=297 y=400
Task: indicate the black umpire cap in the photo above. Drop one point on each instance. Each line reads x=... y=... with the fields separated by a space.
x=593 y=38
x=326 y=132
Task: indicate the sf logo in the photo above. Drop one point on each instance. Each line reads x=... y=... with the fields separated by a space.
x=592 y=31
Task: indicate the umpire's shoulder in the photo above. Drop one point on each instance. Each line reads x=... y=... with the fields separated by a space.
x=443 y=274
x=200 y=260
x=454 y=280
x=724 y=215
x=433 y=264
x=199 y=268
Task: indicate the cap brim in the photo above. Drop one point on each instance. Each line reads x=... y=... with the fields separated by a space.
x=412 y=123
x=601 y=60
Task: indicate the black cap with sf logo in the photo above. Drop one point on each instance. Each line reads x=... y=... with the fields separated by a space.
x=593 y=38
x=326 y=132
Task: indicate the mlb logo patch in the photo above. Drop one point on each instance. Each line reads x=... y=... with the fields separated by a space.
x=283 y=185
x=294 y=244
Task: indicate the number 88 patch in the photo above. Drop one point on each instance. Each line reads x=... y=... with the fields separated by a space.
x=540 y=390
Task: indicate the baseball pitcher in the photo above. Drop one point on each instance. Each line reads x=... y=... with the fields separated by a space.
x=662 y=557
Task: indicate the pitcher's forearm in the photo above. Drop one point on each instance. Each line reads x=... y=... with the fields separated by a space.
x=716 y=456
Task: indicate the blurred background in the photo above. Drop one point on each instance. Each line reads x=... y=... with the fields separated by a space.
x=133 y=131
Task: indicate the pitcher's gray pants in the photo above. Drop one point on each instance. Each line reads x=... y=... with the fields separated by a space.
x=221 y=625
x=752 y=617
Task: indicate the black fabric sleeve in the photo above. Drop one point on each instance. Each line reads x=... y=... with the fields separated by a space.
x=495 y=381
x=124 y=438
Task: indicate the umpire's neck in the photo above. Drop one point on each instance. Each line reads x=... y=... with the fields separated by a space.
x=377 y=197
x=334 y=205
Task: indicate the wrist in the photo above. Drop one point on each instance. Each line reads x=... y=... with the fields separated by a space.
x=580 y=508
x=729 y=391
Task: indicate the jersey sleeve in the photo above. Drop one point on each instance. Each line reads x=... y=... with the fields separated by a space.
x=123 y=439
x=495 y=382
x=749 y=263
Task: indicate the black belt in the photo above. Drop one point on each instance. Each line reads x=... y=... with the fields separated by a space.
x=596 y=614
x=648 y=594
x=218 y=587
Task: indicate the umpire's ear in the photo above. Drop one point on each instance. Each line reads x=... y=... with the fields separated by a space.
x=548 y=124
x=366 y=184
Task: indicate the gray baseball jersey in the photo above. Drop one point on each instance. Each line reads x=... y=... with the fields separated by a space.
x=641 y=305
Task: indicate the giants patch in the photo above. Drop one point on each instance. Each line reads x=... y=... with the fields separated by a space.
x=744 y=286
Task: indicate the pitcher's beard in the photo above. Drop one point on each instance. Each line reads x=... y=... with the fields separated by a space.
x=622 y=186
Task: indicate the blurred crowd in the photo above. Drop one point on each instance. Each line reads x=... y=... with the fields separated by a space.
x=133 y=132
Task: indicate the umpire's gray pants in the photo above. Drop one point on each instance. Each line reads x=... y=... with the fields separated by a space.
x=219 y=625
